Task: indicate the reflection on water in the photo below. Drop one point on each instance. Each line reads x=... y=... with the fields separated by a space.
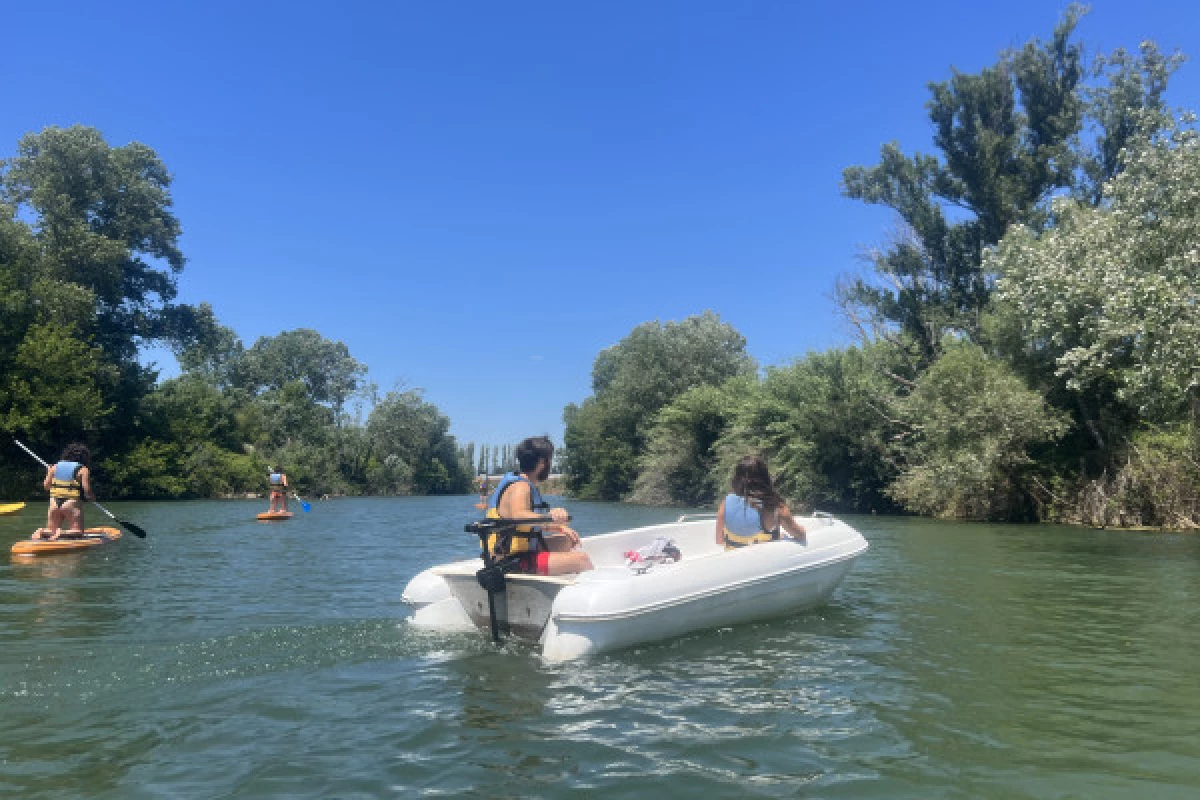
x=53 y=598
x=222 y=658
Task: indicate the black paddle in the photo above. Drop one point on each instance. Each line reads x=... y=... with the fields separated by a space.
x=129 y=526
x=489 y=524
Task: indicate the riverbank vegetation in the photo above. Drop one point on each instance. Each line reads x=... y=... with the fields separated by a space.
x=89 y=260
x=1030 y=333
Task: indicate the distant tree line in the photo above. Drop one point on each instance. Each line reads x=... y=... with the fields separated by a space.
x=89 y=259
x=498 y=459
x=1030 y=332
x=493 y=459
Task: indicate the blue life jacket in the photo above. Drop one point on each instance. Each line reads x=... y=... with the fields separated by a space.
x=743 y=523
x=508 y=480
x=65 y=482
x=276 y=481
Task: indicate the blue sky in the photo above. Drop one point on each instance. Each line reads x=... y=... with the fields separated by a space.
x=477 y=197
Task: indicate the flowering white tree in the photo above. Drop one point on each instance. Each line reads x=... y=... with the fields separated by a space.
x=1112 y=292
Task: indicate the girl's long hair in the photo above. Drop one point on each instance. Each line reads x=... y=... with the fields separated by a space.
x=77 y=451
x=752 y=480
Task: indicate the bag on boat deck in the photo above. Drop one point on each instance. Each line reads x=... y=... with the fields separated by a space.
x=661 y=551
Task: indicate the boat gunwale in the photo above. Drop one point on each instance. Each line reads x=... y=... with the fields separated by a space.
x=469 y=566
x=460 y=571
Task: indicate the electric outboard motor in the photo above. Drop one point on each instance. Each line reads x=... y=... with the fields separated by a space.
x=491 y=577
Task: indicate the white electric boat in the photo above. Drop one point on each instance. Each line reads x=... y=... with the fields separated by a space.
x=620 y=604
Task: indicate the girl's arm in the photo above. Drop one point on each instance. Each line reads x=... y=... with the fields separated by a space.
x=721 y=524
x=85 y=480
x=790 y=525
x=49 y=478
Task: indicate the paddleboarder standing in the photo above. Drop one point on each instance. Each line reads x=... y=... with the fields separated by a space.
x=278 y=483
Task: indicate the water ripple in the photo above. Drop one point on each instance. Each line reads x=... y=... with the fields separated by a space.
x=225 y=658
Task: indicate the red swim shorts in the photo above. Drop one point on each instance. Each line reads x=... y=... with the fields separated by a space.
x=535 y=563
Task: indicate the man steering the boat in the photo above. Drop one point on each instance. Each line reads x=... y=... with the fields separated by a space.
x=557 y=551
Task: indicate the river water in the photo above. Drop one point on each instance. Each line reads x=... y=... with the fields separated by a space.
x=222 y=657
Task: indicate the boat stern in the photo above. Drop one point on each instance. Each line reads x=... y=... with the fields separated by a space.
x=522 y=609
x=434 y=605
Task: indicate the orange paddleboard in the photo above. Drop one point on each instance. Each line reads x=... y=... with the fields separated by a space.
x=274 y=516
x=92 y=537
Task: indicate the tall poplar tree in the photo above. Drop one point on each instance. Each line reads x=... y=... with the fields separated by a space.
x=1004 y=136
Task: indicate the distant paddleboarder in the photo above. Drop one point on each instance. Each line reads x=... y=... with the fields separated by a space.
x=483 y=492
x=278 y=483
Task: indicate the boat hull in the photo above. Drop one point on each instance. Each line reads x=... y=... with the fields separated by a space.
x=614 y=606
x=569 y=635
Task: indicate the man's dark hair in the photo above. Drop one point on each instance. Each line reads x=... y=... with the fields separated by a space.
x=531 y=450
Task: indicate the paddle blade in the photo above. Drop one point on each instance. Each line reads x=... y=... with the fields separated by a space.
x=306 y=506
x=129 y=526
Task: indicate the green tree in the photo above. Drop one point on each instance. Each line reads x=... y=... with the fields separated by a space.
x=1125 y=106
x=18 y=263
x=88 y=265
x=89 y=260
x=679 y=464
x=820 y=423
x=468 y=458
x=102 y=220
x=414 y=451
x=150 y=469
x=209 y=350
x=600 y=459
x=1004 y=136
x=54 y=387
x=288 y=414
x=190 y=410
x=978 y=422
x=324 y=367
x=631 y=382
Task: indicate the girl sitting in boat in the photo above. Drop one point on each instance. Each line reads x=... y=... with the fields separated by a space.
x=69 y=482
x=753 y=512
